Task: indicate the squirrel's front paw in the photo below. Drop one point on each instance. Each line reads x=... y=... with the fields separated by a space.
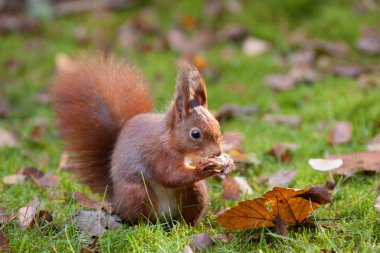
x=209 y=167
x=218 y=165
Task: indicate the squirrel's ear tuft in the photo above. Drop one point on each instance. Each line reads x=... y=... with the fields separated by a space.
x=191 y=82
x=190 y=91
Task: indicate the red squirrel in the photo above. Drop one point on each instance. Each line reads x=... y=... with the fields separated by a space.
x=151 y=164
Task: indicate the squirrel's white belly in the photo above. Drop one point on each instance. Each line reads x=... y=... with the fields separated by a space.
x=167 y=205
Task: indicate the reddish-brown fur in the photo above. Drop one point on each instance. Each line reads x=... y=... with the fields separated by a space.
x=102 y=109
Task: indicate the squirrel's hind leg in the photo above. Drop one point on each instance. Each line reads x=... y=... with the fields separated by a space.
x=134 y=202
x=193 y=202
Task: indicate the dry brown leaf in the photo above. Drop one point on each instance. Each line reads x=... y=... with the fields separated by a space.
x=302 y=57
x=86 y=201
x=282 y=178
x=180 y=42
x=231 y=140
x=39 y=128
x=5 y=109
x=4 y=242
x=5 y=218
x=95 y=223
x=47 y=181
x=233 y=32
x=14 y=179
x=240 y=156
x=7 y=139
x=293 y=206
x=229 y=111
x=93 y=248
x=43 y=218
x=374 y=144
x=377 y=204
x=201 y=242
x=187 y=249
x=304 y=74
x=369 y=42
x=331 y=48
x=288 y=120
x=355 y=162
x=283 y=151
x=26 y=214
x=225 y=237
x=348 y=70
x=340 y=133
x=280 y=82
x=235 y=187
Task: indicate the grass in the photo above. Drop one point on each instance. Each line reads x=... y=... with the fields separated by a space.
x=357 y=227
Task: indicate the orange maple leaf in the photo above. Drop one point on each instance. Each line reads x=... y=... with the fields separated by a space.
x=277 y=207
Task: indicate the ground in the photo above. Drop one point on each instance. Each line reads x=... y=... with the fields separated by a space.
x=353 y=223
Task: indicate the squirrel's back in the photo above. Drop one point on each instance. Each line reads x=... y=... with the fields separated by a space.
x=93 y=99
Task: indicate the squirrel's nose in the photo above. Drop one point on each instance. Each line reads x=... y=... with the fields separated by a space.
x=217 y=152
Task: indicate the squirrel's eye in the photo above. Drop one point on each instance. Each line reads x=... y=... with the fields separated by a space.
x=195 y=134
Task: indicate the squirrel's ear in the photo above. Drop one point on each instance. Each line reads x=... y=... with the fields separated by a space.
x=190 y=90
x=191 y=83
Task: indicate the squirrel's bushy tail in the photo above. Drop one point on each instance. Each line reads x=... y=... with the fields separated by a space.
x=93 y=99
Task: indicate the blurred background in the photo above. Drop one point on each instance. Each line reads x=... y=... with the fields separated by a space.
x=301 y=72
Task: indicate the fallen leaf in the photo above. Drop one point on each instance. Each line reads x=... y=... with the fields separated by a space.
x=86 y=201
x=93 y=248
x=95 y=223
x=304 y=74
x=377 y=204
x=355 y=162
x=369 y=42
x=288 y=120
x=43 y=218
x=14 y=179
x=180 y=42
x=39 y=128
x=325 y=164
x=189 y=22
x=65 y=162
x=26 y=214
x=225 y=237
x=17 y=23
x=233 y=32
x=254 y=46
x=331 y=48
x=235 y=187
x=374 y=144
x=42 y=97
x=7 y=139
x=4 y=242
x=47 y=181
x=5 y=109
x=31 y=172
x=280 y=82
x=283 y=151
x=229 y=111
x=340 y=133
x=201 y=242
x=5 y=218
x=240 y=156
x=348 y=70
x=231 y=140
x=282 y=178
x=302 y=57
x=187 y=249
x=293 y=206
